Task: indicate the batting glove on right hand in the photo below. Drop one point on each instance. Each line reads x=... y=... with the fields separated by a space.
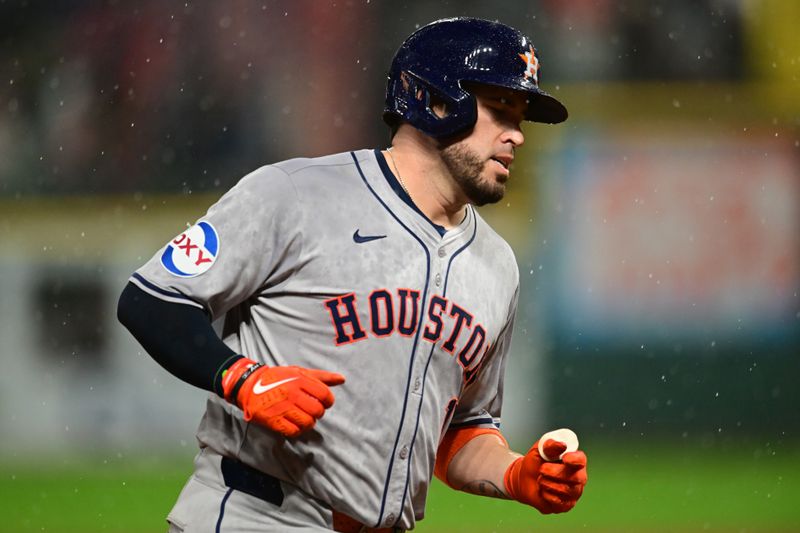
x=551 y=487
x=287 y=399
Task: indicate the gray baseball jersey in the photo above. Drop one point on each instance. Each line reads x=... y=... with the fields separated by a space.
x=321 y=263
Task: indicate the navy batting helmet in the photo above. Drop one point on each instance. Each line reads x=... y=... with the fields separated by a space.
x=438 y=58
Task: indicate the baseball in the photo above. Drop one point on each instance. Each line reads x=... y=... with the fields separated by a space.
x=567 y=436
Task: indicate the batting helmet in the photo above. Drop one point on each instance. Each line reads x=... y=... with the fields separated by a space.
x=438 y=58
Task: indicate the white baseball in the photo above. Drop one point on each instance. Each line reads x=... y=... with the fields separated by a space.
x=567 y=436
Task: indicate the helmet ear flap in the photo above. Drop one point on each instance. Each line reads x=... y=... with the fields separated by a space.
x=412 y=94
x=429 y=110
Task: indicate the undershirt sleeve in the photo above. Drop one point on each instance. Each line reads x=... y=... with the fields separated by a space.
x=179 y=337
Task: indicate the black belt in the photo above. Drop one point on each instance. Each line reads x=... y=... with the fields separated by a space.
x=247 y=479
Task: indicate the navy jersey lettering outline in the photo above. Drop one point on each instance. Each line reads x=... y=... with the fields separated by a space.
x=466 y=360
x=441 y=303
x=378 y=329
x=461 y=315
x=387 y=316
x=340 y=321
x=404 y=329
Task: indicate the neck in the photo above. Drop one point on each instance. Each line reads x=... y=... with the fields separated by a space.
x=418 y=167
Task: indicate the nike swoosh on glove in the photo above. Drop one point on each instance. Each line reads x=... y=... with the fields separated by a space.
x=287 y=399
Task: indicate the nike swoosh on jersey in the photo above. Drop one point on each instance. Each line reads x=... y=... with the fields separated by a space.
x=366 y=238
x=258 y=388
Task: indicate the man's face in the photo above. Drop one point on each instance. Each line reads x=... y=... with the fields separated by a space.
x=480 y=161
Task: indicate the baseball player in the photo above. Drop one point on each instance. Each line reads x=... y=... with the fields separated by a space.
x=368 y=276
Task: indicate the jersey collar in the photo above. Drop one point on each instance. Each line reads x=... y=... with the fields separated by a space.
x=398 y=189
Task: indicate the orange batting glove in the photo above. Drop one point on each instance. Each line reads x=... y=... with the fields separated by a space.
x=286 y=399
x=551 y=487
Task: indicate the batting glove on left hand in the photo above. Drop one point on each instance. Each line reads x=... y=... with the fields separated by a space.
x=550 y=487
x=286 y=399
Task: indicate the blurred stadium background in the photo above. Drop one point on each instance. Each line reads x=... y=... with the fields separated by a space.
x=656 y=232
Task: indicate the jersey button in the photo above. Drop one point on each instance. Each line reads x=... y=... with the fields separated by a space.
x=442 y=252
x=438 y=279
x=389 y=520
x=417 y=384
x=404 y=452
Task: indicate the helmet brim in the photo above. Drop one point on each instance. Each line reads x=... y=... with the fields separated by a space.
x=545 y=109
x=542 y=106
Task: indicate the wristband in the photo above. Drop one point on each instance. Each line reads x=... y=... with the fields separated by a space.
x=223 y=369
x=453 y=441
x=247 y=373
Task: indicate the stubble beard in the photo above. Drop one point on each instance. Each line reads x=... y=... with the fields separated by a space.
x=466 y=167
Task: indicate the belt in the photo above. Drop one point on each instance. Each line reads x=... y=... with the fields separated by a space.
x=249 y=480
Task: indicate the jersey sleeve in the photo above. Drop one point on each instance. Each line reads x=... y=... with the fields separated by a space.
x=247 y=240
x=481 y=402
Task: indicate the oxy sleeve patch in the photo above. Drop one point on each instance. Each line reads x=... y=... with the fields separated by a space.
x=192 y=252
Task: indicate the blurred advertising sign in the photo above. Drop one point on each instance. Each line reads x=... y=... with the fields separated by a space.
x=681 y=235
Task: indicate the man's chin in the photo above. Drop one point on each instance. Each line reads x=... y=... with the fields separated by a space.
x=485 y=196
